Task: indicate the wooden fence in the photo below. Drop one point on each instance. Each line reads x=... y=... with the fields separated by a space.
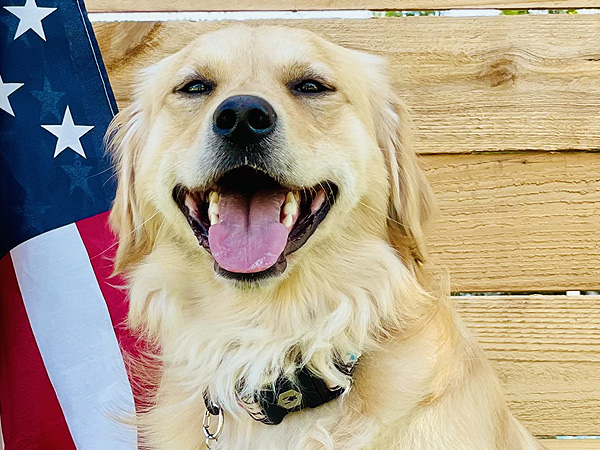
x=507 y=114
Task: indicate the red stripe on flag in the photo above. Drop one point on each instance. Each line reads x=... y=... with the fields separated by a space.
x=31 y=415
x=100 y=244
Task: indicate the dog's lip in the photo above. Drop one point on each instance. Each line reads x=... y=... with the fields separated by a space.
x=194 y=203
x=275 y=270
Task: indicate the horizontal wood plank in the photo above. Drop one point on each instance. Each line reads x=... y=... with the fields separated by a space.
x=517 y=222
x=546 y=351
x=505 y=83
x=311 y=5
x=571 y=444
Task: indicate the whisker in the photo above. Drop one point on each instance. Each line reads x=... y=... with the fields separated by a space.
x=378 y=212
x=101 y=172
x=157 y=234
x=128 y=234
x=114 y=175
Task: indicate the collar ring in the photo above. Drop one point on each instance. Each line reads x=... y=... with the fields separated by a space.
x=212 y=437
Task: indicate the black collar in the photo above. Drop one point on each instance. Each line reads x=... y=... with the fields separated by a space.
x=275 y=401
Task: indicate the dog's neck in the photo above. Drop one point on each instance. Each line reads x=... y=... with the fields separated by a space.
x=215 y=335
x=275 y=401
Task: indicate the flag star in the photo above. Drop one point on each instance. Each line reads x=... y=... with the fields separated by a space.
x=78 y=175
x=48 y=99
x=30 y=17
x=68 y=134
x=5 y=90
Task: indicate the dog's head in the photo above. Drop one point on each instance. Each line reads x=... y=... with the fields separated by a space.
x=254 y=149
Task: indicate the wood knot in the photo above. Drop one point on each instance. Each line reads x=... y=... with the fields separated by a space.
x=500 y=72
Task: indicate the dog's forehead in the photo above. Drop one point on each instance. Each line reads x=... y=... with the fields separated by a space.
x=251 y=49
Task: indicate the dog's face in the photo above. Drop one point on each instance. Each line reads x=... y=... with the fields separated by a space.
x=255 y=147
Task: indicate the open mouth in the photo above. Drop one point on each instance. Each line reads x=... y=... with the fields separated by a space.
x=250 y=223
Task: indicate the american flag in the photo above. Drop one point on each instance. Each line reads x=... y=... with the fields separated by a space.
x=63 y=379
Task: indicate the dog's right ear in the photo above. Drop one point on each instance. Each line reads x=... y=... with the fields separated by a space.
x=411 y=199
x=411 y=202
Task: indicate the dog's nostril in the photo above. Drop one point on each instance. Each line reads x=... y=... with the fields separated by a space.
x=259 y=120
x=226 y=120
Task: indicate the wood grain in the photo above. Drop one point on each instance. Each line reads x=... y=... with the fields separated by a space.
x=506 y=83
x=517 y=222
x=571 y=444
x=546 y=350
x=308 y=5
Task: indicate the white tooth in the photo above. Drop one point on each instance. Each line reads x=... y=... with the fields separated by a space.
x=290 y=208
x=290 y=198
x=213 y=208
x=287 y=221
x=297 y=197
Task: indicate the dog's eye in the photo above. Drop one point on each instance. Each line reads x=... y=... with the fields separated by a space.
x=310 y=87
x=198 y=87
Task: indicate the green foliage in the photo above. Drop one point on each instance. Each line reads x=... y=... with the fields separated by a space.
x=504 y=12
x=519 y=12
x=562 y=11
x=407 y=13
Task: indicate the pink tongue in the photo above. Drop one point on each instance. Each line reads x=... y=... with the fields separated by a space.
x=249 y=237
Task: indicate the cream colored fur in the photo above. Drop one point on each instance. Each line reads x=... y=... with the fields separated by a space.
x=359 y=283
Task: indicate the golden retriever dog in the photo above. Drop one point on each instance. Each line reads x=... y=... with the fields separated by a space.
x=271 y=220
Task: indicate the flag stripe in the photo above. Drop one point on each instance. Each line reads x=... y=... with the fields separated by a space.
x=101 y=245
x=31 y=415
x=75 y=336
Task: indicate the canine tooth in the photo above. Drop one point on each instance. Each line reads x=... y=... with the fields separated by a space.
x=214 y=219
x=290 y=198
x=287 y=221
x=297 y=196
x=290 y=208
x=213 y=197
x=213 y=208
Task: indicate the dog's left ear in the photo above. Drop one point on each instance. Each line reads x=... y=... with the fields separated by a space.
x=411 y=201
x=124 y=140
x=131 y=217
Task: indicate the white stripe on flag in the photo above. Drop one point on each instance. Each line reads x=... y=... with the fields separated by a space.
x=73 y=330
x=1 y=438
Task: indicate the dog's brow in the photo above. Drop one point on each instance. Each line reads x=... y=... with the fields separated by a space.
x=299 y=70
x=194 y=73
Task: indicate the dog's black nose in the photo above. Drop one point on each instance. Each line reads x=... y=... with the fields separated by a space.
x=244 y=119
